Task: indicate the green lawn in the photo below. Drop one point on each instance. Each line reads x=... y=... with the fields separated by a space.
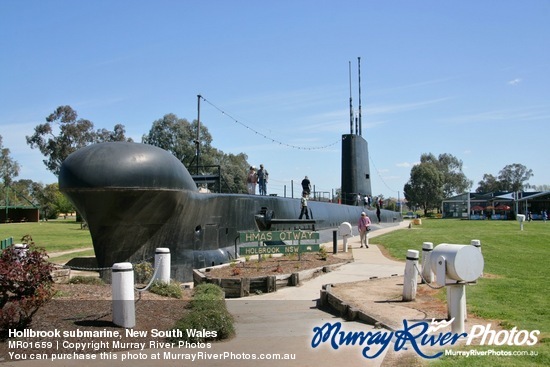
x=53 y=235
x=515 y=288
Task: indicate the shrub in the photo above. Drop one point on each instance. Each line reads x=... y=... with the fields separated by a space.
x=25 y=285
x=323 y=254
x=208 y=312
x=209 y=291
x=143 y=272
x=172 y=290
x=213 y=320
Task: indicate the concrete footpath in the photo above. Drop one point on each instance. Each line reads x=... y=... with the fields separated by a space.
x=277 y=329
x=283 y=321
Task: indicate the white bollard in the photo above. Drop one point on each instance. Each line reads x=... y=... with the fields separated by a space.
x=409 y=280
x=124 y=313
x=20 y=250
x=459 y=264
x=345 y=244
x=427 y=273
x=521 y=219
x=344 y=229
x=477 y=244
x=162 y=264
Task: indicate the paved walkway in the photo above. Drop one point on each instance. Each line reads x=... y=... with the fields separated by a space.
x=282 y=323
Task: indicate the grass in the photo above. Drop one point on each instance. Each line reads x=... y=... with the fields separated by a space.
x=53 y=235
x=64 y=258
x=514 y=290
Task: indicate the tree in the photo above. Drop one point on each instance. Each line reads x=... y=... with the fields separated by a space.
x=454 y=180
x=179 y=136
x=234 y=168
x=19 y=192
x=489 y=183
x=513 y=177
x=73 y=134
x=8 y=167
x=425 y=186
x=51 y=201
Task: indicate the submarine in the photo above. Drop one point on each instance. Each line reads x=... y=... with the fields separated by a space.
x=137 y=197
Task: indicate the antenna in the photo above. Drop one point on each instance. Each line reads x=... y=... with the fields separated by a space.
x=350 y=103
x=359 y=69
x=198 y=141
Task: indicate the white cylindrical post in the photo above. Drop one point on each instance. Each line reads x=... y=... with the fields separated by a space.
x=477 y=244
x=124 y=313
x=345 y=243
x=162 y=264
x=409 y=281
x=456 y=307
x=427 y=272
x=21 y=250
x=344 y=229
x=521 y=219
x=451 y=302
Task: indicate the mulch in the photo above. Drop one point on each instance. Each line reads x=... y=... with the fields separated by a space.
x=89 y=308
x=277 y=265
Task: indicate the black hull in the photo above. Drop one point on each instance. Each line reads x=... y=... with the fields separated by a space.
x=131 y=214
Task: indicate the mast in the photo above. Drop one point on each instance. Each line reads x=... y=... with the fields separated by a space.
x=350 y=103
x=198 y=141
x=359 y=69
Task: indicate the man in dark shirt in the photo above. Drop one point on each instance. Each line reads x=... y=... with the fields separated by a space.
x=306 y=185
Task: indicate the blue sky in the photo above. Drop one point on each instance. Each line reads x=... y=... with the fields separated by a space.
x=469 y=78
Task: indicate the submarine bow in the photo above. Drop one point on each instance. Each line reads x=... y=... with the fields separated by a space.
x=128 y=193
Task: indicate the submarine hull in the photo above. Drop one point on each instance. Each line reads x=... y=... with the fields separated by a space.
x=154 y=203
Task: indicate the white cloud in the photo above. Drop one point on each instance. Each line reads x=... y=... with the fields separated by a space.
x=515 y=81
x=529 y=113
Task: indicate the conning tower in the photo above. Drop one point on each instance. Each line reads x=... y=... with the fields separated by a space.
x=355 y=175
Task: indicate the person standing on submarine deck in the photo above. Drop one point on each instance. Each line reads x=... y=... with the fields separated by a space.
x=306 y=185
x=303 y=205
x=262 y=179
x=251 y=180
